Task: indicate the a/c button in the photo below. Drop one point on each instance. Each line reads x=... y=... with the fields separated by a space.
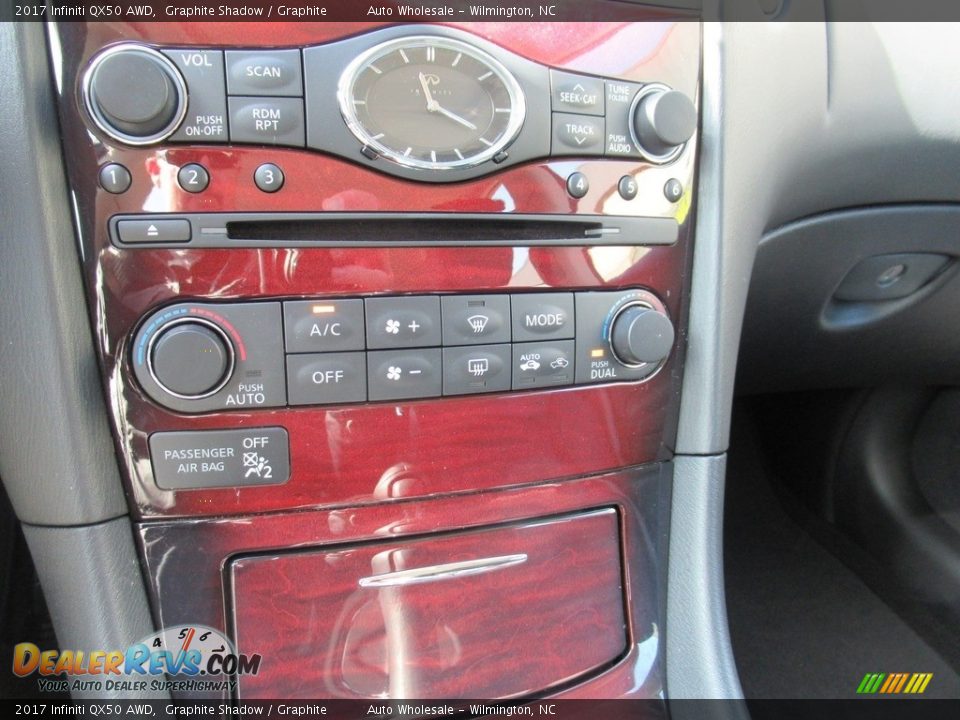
x=326 y=378
x=323 y=325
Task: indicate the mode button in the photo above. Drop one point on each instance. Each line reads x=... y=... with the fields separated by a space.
x=542 y=316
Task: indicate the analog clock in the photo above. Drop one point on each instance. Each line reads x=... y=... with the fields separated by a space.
x=431 y=103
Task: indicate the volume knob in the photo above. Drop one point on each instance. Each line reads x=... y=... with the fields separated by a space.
x=663 y=120
x=641 y=335
x=135 y=94
x=191 y=359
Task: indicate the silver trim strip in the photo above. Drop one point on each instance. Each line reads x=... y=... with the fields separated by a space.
x=447 y=571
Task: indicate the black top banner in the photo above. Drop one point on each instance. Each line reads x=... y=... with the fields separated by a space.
x=477 y=10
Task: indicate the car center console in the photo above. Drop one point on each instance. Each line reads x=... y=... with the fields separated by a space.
x=391 y=321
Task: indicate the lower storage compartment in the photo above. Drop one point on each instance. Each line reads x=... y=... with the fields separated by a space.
x=494 y=613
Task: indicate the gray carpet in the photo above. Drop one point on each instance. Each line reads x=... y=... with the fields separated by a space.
x=803 y=625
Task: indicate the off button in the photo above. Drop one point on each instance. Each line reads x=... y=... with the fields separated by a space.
x=326 y=378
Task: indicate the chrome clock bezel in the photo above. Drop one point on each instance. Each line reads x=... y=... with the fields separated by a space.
x=350 y=74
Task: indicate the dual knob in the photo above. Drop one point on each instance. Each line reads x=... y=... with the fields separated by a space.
x=641 y=335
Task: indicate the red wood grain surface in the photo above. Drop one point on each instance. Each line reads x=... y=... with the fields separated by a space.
x=366 y=454
x=545 y=621
x=187 y=564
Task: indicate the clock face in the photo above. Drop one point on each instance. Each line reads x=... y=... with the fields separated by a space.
x=431 y=103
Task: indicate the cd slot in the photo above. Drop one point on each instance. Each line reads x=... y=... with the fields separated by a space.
x=399 y=230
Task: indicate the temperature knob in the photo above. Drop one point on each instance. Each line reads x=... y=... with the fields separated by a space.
x=191 y=359
x=641 y=335
x=663 y=120
x=135 y=94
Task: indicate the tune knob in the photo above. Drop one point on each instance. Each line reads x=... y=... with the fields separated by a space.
x=135 y=94
x=191 y=358
x=641 y=335
x=663 y=120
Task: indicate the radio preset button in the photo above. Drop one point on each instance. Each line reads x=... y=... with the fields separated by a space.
x=403 y=322
x=476 y=369
x=206 y=118
x=475 y=319
x=326 y=378
x=323 y=325
x=268 y=177
x=541 y=316
x=404 y=374
x=115 y=178
x=268 y=72
x=267 y=121
x=544 y=363
x=193 y=178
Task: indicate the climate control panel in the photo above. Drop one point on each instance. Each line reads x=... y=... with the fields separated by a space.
x=206 y=357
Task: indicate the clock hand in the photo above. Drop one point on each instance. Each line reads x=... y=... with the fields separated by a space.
x=432 y=105
x=455 y=117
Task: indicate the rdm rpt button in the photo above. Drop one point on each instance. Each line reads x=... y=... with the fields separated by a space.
x=220 y=458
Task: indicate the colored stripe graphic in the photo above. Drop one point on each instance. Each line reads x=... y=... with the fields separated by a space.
x=894 y=683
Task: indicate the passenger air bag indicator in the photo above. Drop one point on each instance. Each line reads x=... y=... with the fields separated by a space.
x=220 y=458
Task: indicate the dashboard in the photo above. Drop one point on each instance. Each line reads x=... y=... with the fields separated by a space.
x=475 y=356
x=391 y=324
